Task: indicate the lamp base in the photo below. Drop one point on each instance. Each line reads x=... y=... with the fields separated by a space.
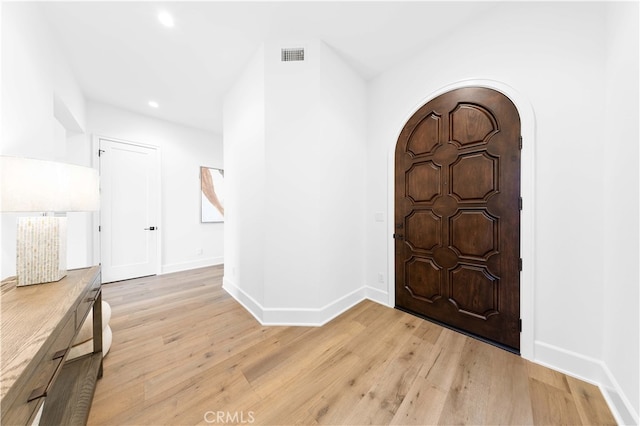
x=41 y=250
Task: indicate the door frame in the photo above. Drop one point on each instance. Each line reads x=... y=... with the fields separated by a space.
x=527 y=191
x=97 y=242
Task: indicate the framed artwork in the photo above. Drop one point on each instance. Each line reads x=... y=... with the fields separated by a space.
x=212 y=194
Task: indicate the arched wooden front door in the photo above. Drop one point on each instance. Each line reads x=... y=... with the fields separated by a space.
x=457 y=214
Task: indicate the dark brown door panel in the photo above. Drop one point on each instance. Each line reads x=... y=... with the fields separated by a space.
x=457 y=214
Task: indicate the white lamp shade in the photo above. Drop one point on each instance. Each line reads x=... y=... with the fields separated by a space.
x=30 y=185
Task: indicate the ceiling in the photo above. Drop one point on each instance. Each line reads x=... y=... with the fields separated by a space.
x=121 y=54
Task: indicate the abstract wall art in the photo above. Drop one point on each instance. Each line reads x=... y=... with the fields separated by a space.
x=212 y=194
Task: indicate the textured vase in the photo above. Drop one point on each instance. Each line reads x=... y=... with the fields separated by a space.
x=41 y=249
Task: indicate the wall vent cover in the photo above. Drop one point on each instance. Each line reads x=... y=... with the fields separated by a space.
x=295 y=54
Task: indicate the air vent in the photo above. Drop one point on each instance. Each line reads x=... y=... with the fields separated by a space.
x=288 y=55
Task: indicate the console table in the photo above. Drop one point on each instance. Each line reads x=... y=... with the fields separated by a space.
x=39 y=324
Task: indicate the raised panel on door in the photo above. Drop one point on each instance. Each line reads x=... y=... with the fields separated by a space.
x=457 y=215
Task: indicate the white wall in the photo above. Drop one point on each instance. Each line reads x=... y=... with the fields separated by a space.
x=293 y=170
x=339 y=168
x=554 y=55
x=183 y=150
x=36 y=85
x=621 y=322
x=80 y=225
x=315 y=121
x=310 y=158
x=34 y=71
x=27 y=83
x=244 y=158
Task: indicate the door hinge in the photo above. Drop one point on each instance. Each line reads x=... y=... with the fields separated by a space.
x=520 y=142
x=520 y=264
x=99 y=228
x=520 y=203
x=520 y=324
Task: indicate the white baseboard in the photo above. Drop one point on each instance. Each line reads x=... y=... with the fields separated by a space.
x=590 y=370
x=619 y=403
x=313 y=317
x=248 y=302
x=571 y=363
x=378 y=296
x=192 y=264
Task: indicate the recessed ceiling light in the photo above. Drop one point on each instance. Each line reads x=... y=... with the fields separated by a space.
x=165 y=19
x=153 y=104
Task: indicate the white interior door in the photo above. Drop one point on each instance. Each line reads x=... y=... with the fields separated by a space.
x=130 y=187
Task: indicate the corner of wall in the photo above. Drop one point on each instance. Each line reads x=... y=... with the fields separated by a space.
x=617 y=400
x=248 y=302
x=378 y=296
x=65 y=116
x=592 y=371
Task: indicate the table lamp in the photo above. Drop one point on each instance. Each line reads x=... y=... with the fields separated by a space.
x=47 y=187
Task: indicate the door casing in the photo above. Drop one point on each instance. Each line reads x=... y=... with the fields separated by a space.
x=527 y=223
x=96 y=163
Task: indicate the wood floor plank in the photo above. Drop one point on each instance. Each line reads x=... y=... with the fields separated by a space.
x=386 y=395
x=467 y=402
x=548 y=376
x=551 y=405
x=591 y=407
x=509 y=377
x=290 y=405
x=184 y=353
x=273 y=373
x=380 y=346
x=107 y=411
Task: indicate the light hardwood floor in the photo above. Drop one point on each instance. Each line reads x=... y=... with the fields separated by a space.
x=185 y=352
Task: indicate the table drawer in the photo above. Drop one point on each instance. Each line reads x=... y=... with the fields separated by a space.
x=42 y=377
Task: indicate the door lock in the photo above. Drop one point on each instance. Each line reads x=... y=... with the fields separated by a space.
x=151 y=228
